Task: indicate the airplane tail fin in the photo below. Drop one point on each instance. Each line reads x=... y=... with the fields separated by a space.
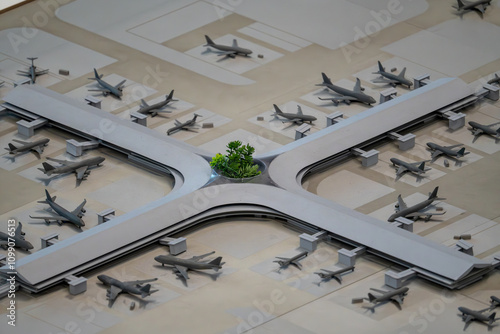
x=460 y=4
x=326 y=80
x=371 y=297
x=48 y=198
x=462 y=152
x=209 y=40
x=47 y=168
x=277 y=110
x=434 y=193
x=11 y=147
x=492 y=318
x=171 y=96
x=422 y=166
x=146 y=290
x=96 y=75
x=380 y=68
x=216 y=263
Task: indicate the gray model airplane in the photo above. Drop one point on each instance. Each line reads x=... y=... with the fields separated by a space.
x=297 y=118
x=132 y=287
x=32 y=72
x=478 y=6
x=336 y=274
x=116 y=90
x=80 y=168
x=226 y=50
x=186 y=126
x=64 y=216
x=181 y=266
x=285 y=261
x=18 y=238
x=418 y=210
x=36 y=147
x=417 y=168
x=494 y=302
x=438 y=150
x=346 y=95
x=495 y=80
x=156 y=108
x=469 y=315
x=396 y=296
x=482 y=129
x=391 y=79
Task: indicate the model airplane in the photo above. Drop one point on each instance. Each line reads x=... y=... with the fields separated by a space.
x=36 y=147
x=106 y=88
x=494 y=302
x=346 y=95
x=226 y=50
x=80 y=168
x=478 y=6
x=396 y=296
x=391 y=79
x=187 y=126
x=181 y=266
x=156 y=108
x=481 y=129
x=18 y=238
x=285 y=261
x=469 y=315
x=417 y=168
x=495 y=80
x=32 y=72
x=64 y=216
x=418 y=210
x=438 y=150
x=297 y=118
x=326 y=275
x=133 y=287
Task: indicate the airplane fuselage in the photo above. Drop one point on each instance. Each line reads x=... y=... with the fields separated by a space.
x=155 y=106
x=227 y=48
x=190 y=264
x=411 y=209
x=110 y=281
x=77 y=164
x=409 y=167
x=30 y=146
x=401 y=81
x=485 y=129
x=303 y=118
x=332 y=274
x=472 y=5
x=72 y=218
x=444 y=150
x=112 y=89
x=390 y=294
x=19 y=243
x=475 y=314
x=361 y=97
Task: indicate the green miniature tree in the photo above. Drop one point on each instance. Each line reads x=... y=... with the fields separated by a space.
x=237 y=163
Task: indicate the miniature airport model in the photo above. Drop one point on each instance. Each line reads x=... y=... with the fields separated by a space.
x=106 y=88
x=64 y=216
x=495 y=80
x=186 y=126
x=156 y=108
x=181 y=266
x=327 y=275
x=469 y=315
x=346 y=95
x=80 y=168
x=226 y=50
x=17 y=238
x=391 y=79
x=36 y=147
x=438 y=150
x=297 y=118
x=132 y=287
x=418 y=210
x=32 y=71
x=417 y=168
x=479 y=6
x=482 y=129
x=284 y=262
x=396 y=296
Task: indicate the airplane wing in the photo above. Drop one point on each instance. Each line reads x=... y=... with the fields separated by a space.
x=181 y=270
x=199 y=257
x=80 y=172
x=62 y=162
x=282 y=258
x=40 y=72
x=453 y=146
x=398 y=301
x=296 y=263
x=26 y=143
x=384 y=80
x=120 y=83
x=50 y=218
x=423 y=213
x=401 y=203
x=79 y=209
x=490 y=125
x=225 y=53
x=177 y=123
x=161 y=110
x=379 y=291
x=401 y=170
x=357 y=86
x=112 y=293
x=38 y=150
x=468 y=320
x=293 y=120
x=435 y=155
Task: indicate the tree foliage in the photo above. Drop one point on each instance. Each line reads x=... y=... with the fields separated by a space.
x=237 y=163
